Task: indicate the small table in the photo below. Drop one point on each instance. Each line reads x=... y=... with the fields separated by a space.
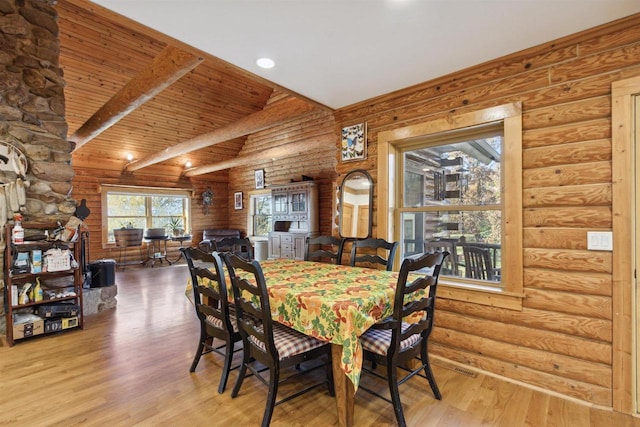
x=181 y=240
x=155 y=249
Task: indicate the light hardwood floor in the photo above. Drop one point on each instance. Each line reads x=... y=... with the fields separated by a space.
x=130 y=366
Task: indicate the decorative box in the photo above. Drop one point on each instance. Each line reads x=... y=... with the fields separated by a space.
x=52 y=325
x=57 y=260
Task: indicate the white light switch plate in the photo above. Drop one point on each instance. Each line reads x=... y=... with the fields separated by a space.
x=600 y=240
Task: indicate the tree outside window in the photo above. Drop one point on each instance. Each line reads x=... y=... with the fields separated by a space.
x=452 y=193
x=139 y=210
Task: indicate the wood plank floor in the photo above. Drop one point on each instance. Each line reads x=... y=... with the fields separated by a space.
x=130 y=366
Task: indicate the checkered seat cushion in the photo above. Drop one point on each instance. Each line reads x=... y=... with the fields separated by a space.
x=217 y=323
x=289 y=342
x=378 y=340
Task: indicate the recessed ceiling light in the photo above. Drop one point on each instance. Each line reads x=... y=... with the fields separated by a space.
x=129 y=156
x=188 y=164
x=265 y=63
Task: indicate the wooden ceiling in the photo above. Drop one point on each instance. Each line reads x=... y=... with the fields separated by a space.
x=110 y=74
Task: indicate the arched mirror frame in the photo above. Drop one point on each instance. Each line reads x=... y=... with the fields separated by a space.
x=349 y=175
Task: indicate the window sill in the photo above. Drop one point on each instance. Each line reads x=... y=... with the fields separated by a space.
x=480 y=294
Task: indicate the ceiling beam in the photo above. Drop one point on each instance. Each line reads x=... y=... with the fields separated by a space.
x=273 y=115
x=265 y=155
x=169 y=66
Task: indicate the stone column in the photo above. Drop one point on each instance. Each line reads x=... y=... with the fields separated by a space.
x=32 y=110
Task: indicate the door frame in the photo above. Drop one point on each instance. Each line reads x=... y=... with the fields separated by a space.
x=623 y=177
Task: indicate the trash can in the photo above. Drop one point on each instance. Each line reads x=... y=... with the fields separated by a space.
x=103 y=273
x=260 y=250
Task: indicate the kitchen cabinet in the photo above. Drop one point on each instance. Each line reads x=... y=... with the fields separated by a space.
x=295 y=216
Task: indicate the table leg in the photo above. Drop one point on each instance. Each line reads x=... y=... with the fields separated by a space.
x=343 y=388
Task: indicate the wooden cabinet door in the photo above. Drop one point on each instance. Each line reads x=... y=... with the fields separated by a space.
x=274 y=246
x=280 y=203
x=299 y=201
x=299 y=241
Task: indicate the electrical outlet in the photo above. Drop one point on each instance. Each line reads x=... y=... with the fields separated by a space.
x=599 y=240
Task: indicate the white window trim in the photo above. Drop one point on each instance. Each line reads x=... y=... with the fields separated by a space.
x=250 y=231
x=509 y=296
x=107 y=188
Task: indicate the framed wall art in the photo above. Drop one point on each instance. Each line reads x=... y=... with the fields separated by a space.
x=259 y=175
x=237 y=197
x=354 y=142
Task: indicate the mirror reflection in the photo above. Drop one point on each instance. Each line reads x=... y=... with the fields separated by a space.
x=356 y=198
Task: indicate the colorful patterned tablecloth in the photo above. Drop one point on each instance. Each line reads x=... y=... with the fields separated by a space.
x=334 y=303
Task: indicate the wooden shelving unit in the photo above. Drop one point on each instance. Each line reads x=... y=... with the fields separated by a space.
x=14 y=281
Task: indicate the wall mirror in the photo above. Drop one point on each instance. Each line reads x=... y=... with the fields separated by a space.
x=356 y=210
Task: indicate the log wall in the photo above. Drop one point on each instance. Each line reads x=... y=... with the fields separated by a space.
x=318 y=132
x=562 y=339
x=87 y=184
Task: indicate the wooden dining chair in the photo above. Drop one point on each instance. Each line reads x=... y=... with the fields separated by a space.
x=217 y=317
x=323 y=248
x=450 y=266
x=268 y=343
x=477 y=263
x=236 y=245
x=367 y=251
x=394 y=342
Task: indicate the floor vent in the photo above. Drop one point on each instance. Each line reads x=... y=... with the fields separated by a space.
x=464 y=371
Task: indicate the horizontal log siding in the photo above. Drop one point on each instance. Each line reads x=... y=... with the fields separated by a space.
x=318 y=163
x=561 y=340
x=87 y=183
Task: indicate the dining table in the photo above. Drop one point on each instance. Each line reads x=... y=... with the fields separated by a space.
x=334 y=303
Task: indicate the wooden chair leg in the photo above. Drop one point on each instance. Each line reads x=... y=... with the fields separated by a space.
x=243 y=371
x=429 y=373
x=392 y=378
x=196 y=358
x=199 y=351
x=274 y=377
x=226 y=366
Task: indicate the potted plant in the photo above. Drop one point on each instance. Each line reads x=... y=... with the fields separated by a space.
x=175 y=226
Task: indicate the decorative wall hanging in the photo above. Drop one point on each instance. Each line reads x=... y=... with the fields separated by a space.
x=259 y=176
x=207 y=200
x=354 y=142
x=238 y=200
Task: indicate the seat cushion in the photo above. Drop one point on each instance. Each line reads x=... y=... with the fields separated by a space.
x=289 y=342
x=378 y=340
x=212 y=320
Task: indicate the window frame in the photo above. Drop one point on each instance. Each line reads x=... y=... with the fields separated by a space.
x=443 y=139
x=510 y=293
x=250 y=216
x=105 y=190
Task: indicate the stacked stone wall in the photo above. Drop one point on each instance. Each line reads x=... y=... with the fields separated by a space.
x=32 y=113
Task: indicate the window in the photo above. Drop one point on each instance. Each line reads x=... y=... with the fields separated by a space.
x=451 y=187
x=259 y=221
x=143 y=208
x=458 y=180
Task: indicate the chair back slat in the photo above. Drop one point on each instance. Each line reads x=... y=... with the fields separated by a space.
x=432 y=264
x=236 y=245
x=322 y=248
x=252 y=304
x=477 y=262
x=366 y=251
x=210 y=293
x=450 y=266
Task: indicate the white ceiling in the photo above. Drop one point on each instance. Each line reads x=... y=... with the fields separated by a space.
x=339 y=52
